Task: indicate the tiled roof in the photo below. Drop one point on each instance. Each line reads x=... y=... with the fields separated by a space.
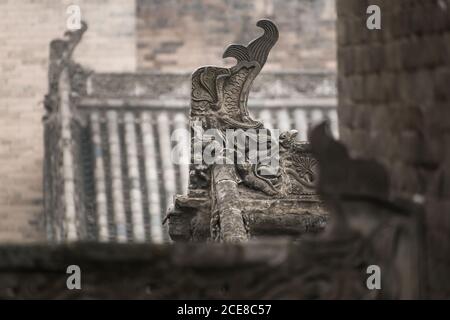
x=109 y=174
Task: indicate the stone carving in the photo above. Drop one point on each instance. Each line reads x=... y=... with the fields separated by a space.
x=63 y=126
x=61 y=51
x=219 y=101
x=299 y=168
x=222 y=93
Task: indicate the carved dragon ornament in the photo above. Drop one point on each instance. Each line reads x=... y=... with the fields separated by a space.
x=219 y=100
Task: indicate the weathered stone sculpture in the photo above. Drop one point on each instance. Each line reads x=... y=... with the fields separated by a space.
x=63 y=175
x=233 y=200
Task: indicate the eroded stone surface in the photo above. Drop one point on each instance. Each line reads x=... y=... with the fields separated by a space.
x=219 y=101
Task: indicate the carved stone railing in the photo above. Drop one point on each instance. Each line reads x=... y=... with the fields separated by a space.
x=232 y=202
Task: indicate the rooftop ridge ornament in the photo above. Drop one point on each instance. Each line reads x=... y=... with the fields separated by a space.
x=218 y=86
x=61 y=51
x=229 y=189
x=258 y=49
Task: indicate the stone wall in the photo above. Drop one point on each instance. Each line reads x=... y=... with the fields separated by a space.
x=394 y=106
x=25 y=33
x=183 y=35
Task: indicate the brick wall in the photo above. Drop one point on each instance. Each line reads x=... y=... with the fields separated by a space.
x=184 y=35
x=25 y=33
x=394 y=105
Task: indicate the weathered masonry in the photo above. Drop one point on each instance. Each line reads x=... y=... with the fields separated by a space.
x=234 y=201
x=394 y=106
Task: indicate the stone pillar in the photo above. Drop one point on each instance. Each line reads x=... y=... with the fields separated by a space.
x=227 y=204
